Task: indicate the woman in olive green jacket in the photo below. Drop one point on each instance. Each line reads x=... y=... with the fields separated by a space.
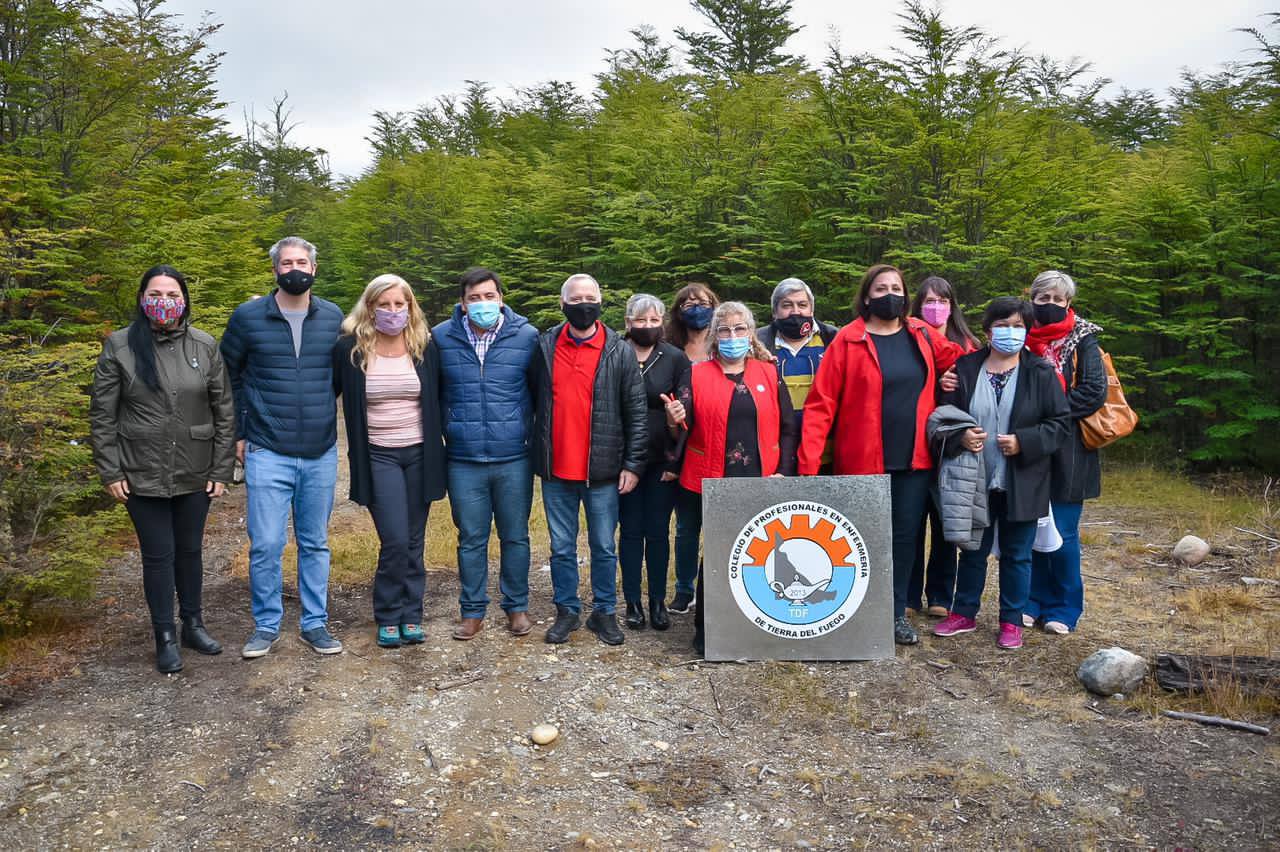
x=162 y=424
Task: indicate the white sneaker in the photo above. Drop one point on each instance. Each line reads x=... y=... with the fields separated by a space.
x=1057 y=628
x=1028 y=621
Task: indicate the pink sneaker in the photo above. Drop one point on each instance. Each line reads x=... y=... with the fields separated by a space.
x=1010 y=636
x=954 y=624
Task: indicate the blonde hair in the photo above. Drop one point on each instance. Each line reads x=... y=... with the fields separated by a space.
x=723 y=311
x=360 y=322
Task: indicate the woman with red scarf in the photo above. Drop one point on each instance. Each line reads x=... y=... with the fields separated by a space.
x=1070 y=345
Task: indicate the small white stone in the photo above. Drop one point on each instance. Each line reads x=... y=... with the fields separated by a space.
x=544 y=734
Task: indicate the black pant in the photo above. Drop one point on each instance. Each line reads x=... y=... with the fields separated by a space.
x=170 y=533
x=644 y=534
x=908 y=494
x=399 y=509
x=936 y=580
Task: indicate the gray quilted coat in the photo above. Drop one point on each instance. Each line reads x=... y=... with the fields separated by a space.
x=962 y=478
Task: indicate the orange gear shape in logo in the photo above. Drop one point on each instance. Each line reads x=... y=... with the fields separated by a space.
x=821 y=534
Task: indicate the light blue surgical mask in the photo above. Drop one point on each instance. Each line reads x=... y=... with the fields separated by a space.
x=484 y=314
x=734 y=348
x=1008 y=339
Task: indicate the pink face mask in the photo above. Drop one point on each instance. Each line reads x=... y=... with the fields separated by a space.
x=390 y=322
x=936 y=313
x=163 y=312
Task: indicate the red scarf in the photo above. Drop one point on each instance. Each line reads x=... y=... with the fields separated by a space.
x=1046 y=341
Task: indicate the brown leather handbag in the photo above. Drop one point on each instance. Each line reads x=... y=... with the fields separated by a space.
x=1115 y=419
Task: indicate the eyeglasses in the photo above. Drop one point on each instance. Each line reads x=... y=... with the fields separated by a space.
x=695 y=302
x=724 y=332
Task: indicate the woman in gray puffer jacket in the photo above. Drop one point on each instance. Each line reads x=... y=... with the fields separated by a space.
x=162 y=426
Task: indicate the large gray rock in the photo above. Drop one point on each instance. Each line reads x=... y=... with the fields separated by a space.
x=1112 y=670
x=1191 y=550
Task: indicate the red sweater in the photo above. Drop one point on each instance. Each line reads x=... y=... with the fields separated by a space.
x=845 y=400
x=573 y=380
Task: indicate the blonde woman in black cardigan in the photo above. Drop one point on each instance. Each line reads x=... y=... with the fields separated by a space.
x=387 y=372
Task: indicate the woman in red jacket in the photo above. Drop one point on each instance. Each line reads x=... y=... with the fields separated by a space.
x=731 y=416
x=875 y=390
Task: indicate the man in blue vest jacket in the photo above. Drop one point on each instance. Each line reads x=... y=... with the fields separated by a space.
x=486 y=350
x=278 y=351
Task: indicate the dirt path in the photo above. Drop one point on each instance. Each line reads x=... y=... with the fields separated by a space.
x=425 y=746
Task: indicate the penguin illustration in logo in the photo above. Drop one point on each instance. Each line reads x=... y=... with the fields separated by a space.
x=801 y=571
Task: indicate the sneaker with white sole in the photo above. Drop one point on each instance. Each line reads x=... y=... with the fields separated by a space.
x=954 y=625
x=320 y=641
x=1010 y=636
x=259 y=644
x=1057 y=628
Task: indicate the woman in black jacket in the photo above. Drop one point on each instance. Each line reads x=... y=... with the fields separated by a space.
x=644 y=514
x=387 y=372
x=162 y=425
x=1022 y=414
x=1069 y=344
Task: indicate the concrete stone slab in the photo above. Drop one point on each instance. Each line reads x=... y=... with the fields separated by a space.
x=798 y=568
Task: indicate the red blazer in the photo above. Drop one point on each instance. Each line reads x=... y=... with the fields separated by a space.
x=845 y=401
x=712 y=392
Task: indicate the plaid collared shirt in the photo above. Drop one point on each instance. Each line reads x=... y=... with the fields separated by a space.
x=481 y=343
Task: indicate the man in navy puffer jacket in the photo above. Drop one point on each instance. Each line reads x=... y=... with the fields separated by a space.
x=279 y=354
x=486 y=350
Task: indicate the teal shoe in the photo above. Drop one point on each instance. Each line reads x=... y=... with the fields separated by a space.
x=388 y=636
x=411 y=634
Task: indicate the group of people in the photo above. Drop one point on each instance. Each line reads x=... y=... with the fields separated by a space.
x=621 y=427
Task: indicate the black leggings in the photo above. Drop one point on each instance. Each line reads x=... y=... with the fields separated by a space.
x=399 y=509
x=170 y=532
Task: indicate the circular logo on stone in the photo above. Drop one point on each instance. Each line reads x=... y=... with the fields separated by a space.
x=799 y=570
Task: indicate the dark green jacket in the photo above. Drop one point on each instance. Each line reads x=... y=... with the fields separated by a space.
x=166 y=442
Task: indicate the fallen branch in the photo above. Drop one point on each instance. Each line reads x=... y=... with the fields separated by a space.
x=1258 y=534
x=192 y=784
x=938 y=664
x=1218 y=721
x=462 y=681
x=1099 y=577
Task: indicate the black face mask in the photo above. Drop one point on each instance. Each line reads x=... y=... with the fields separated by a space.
x=1048 y=313
x=645 y=337
x=295 y=282
x=794 y=327
x=887 y=307
x=582 y=315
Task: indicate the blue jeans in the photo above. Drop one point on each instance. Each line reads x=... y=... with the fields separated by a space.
x=501 y=493
x=1057 y=591
x=277 y=484
x=644 y=535
x=560 y=500
x=688 y=530
x=1016 y=539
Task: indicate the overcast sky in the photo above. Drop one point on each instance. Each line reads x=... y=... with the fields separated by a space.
x=341 y=60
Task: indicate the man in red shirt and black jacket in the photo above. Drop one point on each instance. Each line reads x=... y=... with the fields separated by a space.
x=589 y=443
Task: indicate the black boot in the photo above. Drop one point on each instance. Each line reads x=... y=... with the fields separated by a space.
x=635 y=615
x=168 y=660
x=566 y=622
x=605 y=626
x=196 y=637
x=658 y=614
